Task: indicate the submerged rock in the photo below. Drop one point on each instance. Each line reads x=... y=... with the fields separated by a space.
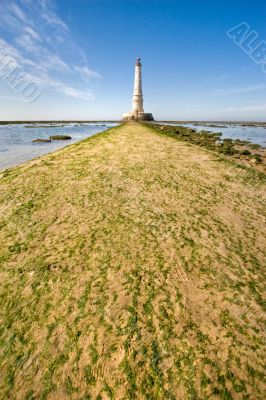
x=41 y=140
x=60 y=137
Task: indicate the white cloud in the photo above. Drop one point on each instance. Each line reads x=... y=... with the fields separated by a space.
x=41 y=44
x=79 y=94
x=32 y=32
x=45 y=81
x=27 y=43
x=54 y=61
x=16 y=10
x=49 y=16
x=7 y=49
x=86 y=72
x=46 y=59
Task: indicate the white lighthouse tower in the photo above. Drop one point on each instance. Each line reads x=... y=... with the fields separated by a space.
x=137 y=113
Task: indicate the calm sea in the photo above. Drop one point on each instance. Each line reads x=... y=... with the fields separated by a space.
x=16 y=144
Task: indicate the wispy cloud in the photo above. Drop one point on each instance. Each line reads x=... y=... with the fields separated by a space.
x=246 y=89
x=11 y=51
x=17 y=12
x=50 y=16
x=87 y=72
x=32 y=33
x=41 y=42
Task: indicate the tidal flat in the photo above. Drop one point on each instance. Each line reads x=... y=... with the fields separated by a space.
x=132 y=267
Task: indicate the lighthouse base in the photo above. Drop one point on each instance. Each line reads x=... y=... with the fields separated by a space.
x=137 y=116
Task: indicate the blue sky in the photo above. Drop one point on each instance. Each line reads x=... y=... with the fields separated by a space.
x=81 y=54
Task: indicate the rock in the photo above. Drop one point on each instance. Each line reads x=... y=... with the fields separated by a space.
x=60 y=137
x=42 y=140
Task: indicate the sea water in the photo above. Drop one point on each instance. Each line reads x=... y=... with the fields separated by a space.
x=17 y=146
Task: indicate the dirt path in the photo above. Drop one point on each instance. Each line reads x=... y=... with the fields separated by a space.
x=132 y=268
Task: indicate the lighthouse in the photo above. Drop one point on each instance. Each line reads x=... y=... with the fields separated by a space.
x=137 y=113
x=137 y=102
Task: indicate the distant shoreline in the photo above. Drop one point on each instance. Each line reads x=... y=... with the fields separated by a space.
x=209 y=123
x=56 y=122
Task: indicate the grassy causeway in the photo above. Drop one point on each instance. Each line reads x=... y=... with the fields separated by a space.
x=132 y=266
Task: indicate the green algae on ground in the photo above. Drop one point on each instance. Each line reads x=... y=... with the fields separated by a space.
x=238 y=149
